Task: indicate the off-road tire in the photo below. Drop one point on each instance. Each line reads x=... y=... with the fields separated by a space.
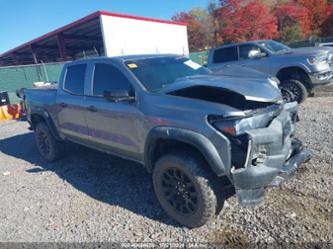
x=48 y=146
x=209 y=200
x=296 y=88
x=287 y=95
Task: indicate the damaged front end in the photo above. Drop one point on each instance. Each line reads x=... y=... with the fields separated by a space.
x=263 y=147
x=264 y=150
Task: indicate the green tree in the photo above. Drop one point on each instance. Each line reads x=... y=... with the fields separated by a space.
x=205 y=26
x=201 y=28
x=290 y=34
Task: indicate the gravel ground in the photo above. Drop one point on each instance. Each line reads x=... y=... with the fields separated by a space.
x=91 y=197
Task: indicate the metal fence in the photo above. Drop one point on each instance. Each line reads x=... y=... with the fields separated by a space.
x=199 y=57
x=310 y=42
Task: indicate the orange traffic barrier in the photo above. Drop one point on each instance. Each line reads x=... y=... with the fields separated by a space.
x=8 y=112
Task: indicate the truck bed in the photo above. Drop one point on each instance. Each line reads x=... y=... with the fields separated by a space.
x=40 y=96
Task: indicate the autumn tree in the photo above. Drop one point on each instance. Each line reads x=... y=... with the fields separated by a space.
x=206 y=26
x=212 y=9
x=243 y=20
x=317 y=13
x=289 y=34
x=272 y=3
x=246 y=20
x=200 y=28
x=293 y=21
x=193 y=29
x=327 y=25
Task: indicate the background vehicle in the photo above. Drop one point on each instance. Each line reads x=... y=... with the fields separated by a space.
x=326 y=44
x=193 y=130
x=299 y=70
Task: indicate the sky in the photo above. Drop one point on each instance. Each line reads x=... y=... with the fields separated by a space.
x=24 y=20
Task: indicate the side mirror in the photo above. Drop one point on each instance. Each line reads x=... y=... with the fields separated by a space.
x=253 y=54
x=118 y=95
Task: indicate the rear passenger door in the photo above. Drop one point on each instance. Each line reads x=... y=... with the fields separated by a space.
x=70 y=103
x=113 y=126
x=223 y=57
x=261 y=64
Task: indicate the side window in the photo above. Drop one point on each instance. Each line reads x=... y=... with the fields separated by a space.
x=225 y=55
x=244 y=51
x=74 y=81
x=108 y=78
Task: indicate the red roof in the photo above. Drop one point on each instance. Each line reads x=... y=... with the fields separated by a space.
x=106 y=13
x=86 y=19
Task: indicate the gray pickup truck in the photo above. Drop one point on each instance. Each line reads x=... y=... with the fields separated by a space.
x=197 y=132
x=299 y=70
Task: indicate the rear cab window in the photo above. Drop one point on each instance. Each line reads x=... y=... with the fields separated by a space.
x=74 y=79
x=225 y=55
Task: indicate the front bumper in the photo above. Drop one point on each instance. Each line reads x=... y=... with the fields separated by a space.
x=321 y=78
x=273 y=155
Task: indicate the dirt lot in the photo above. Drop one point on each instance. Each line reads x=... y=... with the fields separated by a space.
x=89 y=196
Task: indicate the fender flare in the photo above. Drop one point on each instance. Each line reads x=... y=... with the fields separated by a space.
x=300 y=66
x=200 y=142
x=48 y=120
x=300 y=74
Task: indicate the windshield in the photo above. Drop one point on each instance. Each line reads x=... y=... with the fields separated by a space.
x=158 y=73
x=274 y=46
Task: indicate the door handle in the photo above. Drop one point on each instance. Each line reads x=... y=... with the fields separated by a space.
x=92 y=108
x=63 y=105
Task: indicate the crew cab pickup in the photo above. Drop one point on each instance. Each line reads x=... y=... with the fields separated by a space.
x=300 y=70
x=194 y=130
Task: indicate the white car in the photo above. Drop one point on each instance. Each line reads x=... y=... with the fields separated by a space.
x=326 y=44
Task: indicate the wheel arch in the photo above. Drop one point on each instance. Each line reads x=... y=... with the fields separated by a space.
x=294 y=72
x=163 y=139
x=41 y=115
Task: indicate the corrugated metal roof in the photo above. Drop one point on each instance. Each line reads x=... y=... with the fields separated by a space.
x=80 y=35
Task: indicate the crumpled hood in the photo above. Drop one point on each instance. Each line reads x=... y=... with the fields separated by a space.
x=253 y=89
x=241 y=72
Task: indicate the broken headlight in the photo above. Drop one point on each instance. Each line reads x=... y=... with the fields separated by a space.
x=239 y=125
x=229 y=126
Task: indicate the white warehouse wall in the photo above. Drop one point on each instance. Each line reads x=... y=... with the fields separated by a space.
x=125 y=36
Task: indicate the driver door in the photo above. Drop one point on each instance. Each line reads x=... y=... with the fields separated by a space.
x=112 y=126
x=262 y=64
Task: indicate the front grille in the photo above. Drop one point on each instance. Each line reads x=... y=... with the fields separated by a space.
x=287 y=129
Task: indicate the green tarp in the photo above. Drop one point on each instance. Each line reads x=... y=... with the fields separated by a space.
x=16 y=77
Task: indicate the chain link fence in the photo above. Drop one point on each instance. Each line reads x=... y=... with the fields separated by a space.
x=310 y=42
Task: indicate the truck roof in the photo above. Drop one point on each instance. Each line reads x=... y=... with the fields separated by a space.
x=123 y=57
x=241 y=43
